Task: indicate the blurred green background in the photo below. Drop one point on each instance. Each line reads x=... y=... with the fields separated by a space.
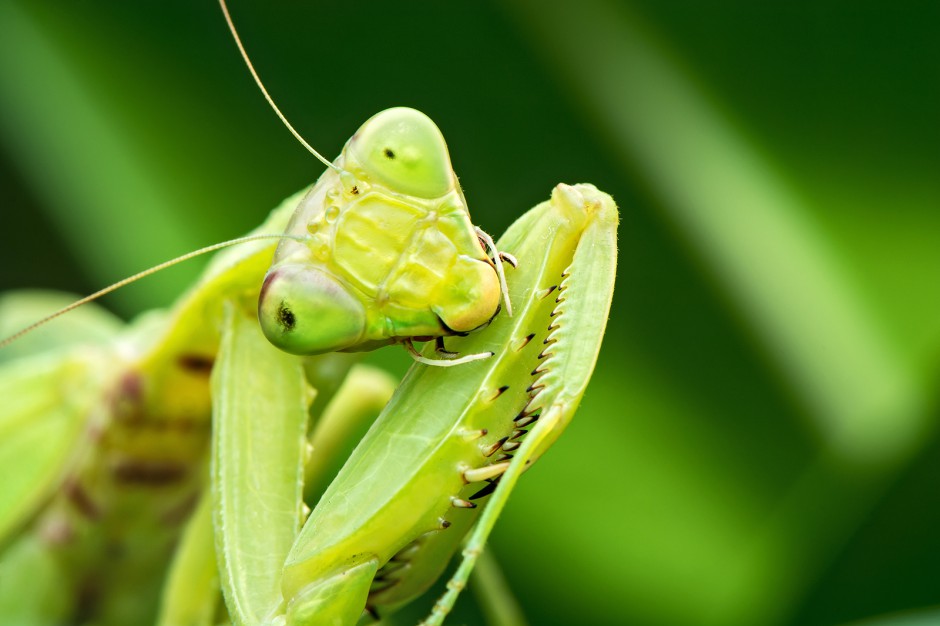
x=758 y=445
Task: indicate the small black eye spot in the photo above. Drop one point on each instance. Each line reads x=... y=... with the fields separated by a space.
x=389 y=153
x=285 y=317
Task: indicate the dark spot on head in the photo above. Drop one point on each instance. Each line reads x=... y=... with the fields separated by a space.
x=355 y=190
x=389 y=154
x=285 y=317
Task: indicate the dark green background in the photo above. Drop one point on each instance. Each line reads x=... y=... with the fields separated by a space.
x=758 y=444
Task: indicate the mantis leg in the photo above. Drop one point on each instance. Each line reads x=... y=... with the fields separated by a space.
x=31 y=589
x=48 y=399
x=481 y=531
x=259 y=425
x=260 y=400
x=567 y=361
x=342 y=424
x=191 y=595
x=48 y=392
x=339 y=599
x=336 y=600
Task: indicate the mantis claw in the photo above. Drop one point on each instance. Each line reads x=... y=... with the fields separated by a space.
x=444 y=352
x=508 y=258
x=485 y=473
x=469 y=358
x=497 y=259
x=485 y=491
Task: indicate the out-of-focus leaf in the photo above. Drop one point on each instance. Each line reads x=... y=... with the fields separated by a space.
x=753 y=231
x=107 y=206
x=923 y=617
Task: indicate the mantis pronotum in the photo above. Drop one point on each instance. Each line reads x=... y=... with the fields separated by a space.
x=126 y=419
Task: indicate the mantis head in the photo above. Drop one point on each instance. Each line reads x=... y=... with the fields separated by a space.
x=390 y=250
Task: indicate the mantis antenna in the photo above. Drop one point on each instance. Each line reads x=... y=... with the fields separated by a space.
x=147 y=272
x=162 y=266
x=267 y=96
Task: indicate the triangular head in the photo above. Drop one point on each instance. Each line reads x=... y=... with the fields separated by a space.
x=389 y=252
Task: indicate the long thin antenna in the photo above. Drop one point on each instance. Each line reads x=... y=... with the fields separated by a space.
x=251 y=68
x=138 y=276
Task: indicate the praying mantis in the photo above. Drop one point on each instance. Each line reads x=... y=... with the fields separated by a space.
x=134 y=422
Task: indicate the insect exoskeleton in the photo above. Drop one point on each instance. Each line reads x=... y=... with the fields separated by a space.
x=389 y=251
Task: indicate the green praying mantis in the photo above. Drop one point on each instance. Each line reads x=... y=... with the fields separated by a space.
x=110 y=434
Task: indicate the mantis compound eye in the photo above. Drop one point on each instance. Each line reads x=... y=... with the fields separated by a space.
x=402 y=149
x=306 y=311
